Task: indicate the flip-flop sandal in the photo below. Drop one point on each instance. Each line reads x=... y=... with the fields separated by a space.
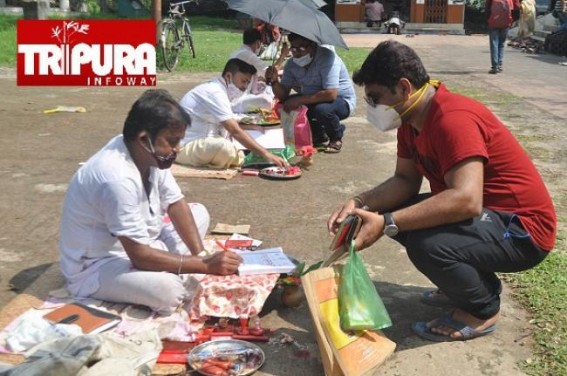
x=436 y=298
x=420 y=328
x=334 y=147
x=320 y=147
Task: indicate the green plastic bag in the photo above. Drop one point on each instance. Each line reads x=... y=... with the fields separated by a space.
x=360 y=306
x=286 y=153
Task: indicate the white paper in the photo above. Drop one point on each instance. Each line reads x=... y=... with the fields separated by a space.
x=265 y=261
x=269 y=138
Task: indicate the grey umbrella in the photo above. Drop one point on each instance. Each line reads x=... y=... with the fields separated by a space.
x=295 y=16
x=316 y=3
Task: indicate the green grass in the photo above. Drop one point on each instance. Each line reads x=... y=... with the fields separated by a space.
x=542 y=289
x=8 y=40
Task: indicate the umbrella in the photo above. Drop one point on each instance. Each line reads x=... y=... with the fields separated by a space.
x=293 y=15
x=317 y=3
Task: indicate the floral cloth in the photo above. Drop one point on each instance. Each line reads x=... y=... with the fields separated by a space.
x=230 y=296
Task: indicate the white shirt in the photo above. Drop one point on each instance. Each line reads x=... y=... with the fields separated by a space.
x=208 y=105
x=106 y=199
x=246 y=54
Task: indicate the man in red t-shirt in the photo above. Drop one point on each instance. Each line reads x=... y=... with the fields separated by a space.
x=488 y=210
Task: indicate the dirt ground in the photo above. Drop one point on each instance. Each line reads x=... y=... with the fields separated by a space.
x=41 y=152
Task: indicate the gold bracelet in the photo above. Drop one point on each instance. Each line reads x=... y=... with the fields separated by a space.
x=180 y=264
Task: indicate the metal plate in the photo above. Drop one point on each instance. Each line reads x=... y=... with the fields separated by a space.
x=279 y=173
x=246 y=356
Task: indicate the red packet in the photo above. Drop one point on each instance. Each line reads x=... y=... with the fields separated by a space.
x=238 y=243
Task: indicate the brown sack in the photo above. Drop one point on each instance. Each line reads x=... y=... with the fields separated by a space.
x=349 y=354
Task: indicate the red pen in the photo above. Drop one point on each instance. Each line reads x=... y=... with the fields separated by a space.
x=224 y=247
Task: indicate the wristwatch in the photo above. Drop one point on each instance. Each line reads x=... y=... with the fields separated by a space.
x=390 y=227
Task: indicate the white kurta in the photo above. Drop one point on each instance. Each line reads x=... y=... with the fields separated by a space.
x=106 y=199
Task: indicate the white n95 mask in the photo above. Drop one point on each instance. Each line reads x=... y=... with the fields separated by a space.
x=303 y=60
x=384 y=117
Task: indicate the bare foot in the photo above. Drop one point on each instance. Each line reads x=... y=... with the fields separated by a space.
x=465 y=318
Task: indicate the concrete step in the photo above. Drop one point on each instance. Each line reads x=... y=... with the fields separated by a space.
x=409 y=28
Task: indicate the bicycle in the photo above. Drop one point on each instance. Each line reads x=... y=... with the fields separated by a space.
x=176 y=31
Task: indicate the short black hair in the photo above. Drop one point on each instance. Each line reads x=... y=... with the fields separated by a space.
x=251 y=36
x=389 y=62
x=237 y=65
x=155 y=110
x=293 y=36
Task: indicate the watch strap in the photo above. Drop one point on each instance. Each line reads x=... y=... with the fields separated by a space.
x=388 y=219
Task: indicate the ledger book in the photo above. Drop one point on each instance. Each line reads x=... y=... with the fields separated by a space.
x=91 y=320
x=265 y=261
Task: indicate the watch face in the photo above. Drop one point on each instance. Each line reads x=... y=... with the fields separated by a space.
x=391 y=230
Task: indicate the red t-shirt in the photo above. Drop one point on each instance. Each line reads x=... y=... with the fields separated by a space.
x=458 y=128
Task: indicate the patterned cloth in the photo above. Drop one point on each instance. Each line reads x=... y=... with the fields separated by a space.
x=230 y=296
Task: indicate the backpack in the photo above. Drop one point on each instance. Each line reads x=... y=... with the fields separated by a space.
x=500 y=14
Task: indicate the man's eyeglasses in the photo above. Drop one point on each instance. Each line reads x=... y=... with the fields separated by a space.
x=298 y=49
x=371 y=101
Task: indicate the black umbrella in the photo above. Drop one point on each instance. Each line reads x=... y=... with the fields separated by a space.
x=295 y=16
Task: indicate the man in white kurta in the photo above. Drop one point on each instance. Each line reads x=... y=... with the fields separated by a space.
x=126 y=231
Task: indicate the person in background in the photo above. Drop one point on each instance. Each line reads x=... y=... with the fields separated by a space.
x=258 y=95
x=127 y=234
x=500 y=15
x=488 y=211
x=394 y=24
x=208 y=142
x=373 y=10
x=250 y=49
x=322 y=83
x=271 y=35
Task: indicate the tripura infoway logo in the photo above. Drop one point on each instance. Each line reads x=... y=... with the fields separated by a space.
x=86 y=53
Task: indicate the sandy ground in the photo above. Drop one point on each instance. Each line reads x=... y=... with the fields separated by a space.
x=41 y=152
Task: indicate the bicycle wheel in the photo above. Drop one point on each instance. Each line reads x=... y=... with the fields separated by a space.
x=189 y=38
x=171 y=43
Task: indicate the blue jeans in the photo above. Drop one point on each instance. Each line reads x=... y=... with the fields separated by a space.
x=497 y=39
x=325 y=119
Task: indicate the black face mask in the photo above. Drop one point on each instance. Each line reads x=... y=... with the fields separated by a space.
x=162 y=162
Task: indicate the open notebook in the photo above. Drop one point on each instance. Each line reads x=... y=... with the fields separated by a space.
x=267 y=137
x=265 y=261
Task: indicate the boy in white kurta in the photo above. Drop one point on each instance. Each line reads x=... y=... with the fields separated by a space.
x=208 y=142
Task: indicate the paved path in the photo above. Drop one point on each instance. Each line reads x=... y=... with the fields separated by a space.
x=539 y=79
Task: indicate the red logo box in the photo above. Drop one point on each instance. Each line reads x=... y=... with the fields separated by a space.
x=86 y=53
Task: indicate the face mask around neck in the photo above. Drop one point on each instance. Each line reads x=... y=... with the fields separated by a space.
x=162 y=162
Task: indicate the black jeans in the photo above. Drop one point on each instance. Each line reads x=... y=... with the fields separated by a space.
x=461 y=259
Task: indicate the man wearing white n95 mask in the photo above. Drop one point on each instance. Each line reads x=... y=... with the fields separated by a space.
x=488 y=210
